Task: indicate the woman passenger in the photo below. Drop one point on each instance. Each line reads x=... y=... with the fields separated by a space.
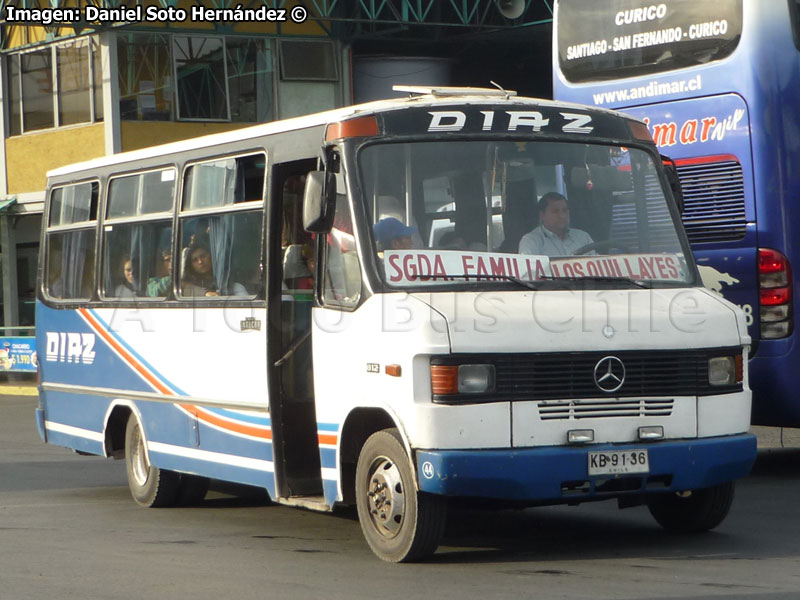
x=127 y=288
x=198 y=272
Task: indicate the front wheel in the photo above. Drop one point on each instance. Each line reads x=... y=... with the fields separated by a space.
x=694 y=511
x=149 y=485
x=400 y=523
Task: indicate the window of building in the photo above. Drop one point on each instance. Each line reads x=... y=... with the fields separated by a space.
x=55 y=86
x=308 y=60
x=37 y=89
x=74 y=83
x=250 y=80
x=14 y=96
x=145 y=77
x=200 y=74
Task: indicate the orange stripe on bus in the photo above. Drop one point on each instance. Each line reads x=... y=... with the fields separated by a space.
x=125 y=354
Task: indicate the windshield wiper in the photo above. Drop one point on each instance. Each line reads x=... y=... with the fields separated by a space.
x=475 y=278
x=636 y=282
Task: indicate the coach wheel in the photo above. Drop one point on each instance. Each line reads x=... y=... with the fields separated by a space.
x=149 y=485
x=694 y=511
x=400 y=523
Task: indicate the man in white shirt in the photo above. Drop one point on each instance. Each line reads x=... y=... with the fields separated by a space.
x=553 y=237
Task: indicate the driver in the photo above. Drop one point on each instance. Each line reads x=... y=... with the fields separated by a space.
x=554 y=237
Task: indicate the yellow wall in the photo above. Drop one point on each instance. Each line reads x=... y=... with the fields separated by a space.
x=141 y=134
x=30 y=156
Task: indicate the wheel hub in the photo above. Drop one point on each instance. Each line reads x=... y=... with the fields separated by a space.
x=385 y=497
x=140 y=466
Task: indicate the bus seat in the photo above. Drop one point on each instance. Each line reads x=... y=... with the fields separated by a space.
x=521 y=214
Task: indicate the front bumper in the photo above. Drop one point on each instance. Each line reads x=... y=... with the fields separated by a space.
x=555 y=474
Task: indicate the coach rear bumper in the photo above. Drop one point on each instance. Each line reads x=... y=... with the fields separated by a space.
x=557 y=474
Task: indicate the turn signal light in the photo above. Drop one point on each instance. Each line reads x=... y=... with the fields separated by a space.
x=444 y=379
x=358 y=127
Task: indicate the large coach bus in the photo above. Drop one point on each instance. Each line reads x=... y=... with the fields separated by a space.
x=335 y=308
x=717 y=83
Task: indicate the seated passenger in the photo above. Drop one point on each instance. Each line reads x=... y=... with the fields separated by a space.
x=198 y=275
x=553 y=237
x=158 y=286
x=450 y=240
x=391 y=234
x=127 y=288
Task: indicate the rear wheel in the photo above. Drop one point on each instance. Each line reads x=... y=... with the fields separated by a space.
x=192 y=489
x=400 y=523
x=149 y=485
x=690 y=512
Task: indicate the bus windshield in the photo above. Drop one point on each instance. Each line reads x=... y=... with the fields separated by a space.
x=608 y=39
x=483 y=212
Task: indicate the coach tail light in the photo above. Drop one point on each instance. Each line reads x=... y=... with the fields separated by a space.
x=775 y=294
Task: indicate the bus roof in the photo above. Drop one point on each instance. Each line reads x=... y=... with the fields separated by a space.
x=418 y=97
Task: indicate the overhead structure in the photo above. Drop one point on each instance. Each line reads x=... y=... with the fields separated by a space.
x=411 y=20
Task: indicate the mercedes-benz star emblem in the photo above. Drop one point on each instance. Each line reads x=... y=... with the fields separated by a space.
x=609 y=374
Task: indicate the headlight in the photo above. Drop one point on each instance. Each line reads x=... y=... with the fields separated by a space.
x=461 y=379
x=722 y=370
x=475 y=379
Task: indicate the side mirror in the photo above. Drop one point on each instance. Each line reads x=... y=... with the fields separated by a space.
x=319 y=201
x=674 y=181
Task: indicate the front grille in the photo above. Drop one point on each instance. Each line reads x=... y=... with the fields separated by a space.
x=567 y=376
x=552 y=410
x=714 y=201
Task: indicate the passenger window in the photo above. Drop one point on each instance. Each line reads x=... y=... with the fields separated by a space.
x=70 y=267
x=73 y=204
x=220 y=255
x=224 y=182
x=71 y=241
x=141 y=194
x=137 y=261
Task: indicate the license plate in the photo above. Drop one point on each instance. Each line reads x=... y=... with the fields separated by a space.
x=618 y=462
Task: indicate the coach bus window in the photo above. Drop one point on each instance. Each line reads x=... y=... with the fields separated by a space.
x=478 y=205
x=133 y=241
x=70 y=241
x=220 y=252
x=224 y=182
x=73 y=204
x=141 y=194
x=142 y=246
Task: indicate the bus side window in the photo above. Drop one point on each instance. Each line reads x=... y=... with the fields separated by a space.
x=133 y=252
x=71 y=254
x=220 y=252
x=342 y=283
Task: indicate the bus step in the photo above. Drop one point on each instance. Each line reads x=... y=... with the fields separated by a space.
x=310 y=502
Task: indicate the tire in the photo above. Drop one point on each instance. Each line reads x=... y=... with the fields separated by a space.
x=692 y=512
x=400 y=523
x=149 y=485
x=192 y=489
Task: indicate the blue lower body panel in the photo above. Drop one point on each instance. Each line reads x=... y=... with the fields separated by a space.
x=556 y=474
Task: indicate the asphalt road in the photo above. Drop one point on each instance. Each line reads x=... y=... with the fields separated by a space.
x=69 y=529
